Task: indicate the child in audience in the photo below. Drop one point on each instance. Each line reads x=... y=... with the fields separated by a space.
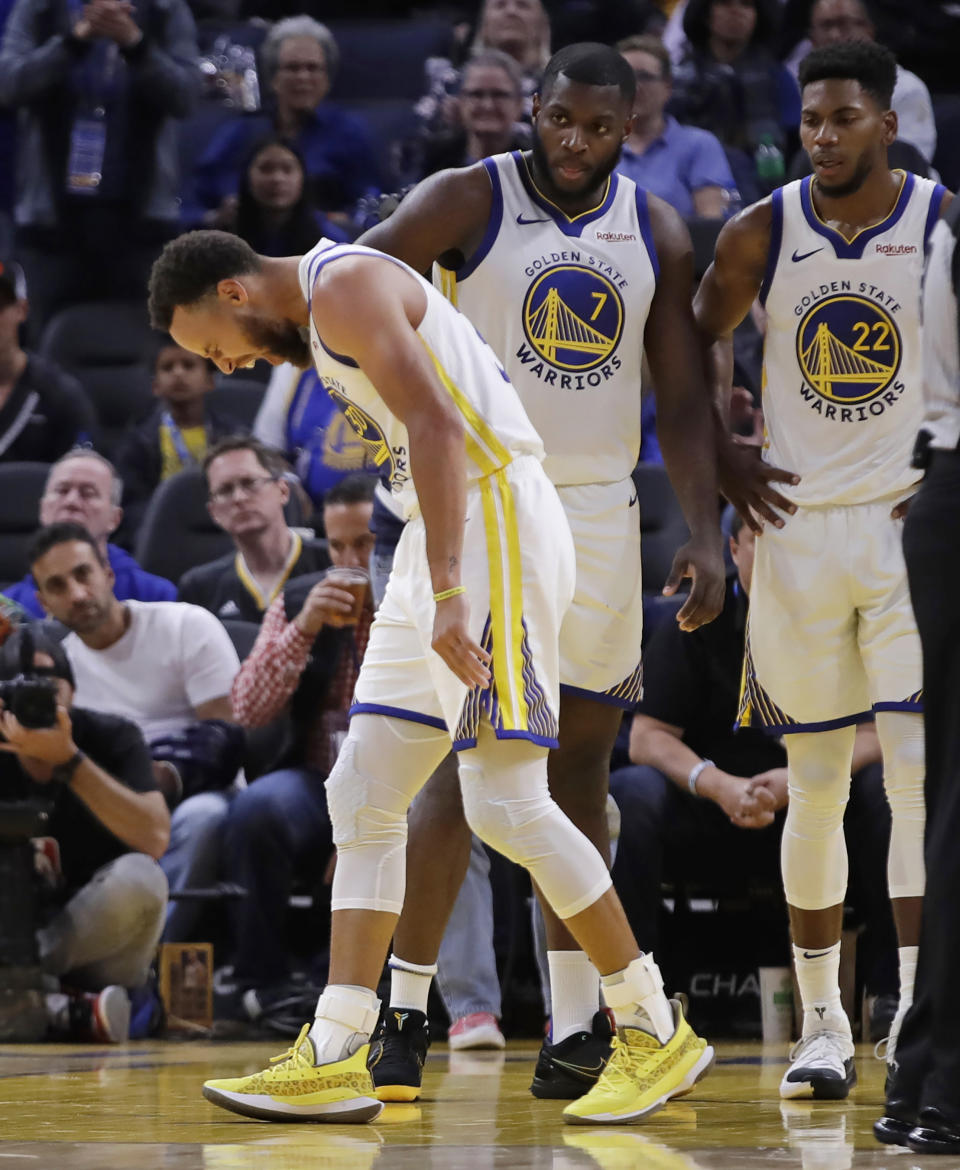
x=176 y=434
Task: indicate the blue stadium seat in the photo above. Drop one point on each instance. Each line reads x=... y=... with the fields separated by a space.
x=384 y=59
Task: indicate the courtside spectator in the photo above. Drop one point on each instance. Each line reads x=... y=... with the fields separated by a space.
x=43 y=410
x=168 y=668
x=100 y=88
x=92 y=772
x=84 y=487
x=247 y=493
x=177 y=434
x=299 y=59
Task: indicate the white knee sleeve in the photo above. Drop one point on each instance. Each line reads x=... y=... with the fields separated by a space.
x=901 y=741
x=382 y=765
x=508 y=805
x=812 y=851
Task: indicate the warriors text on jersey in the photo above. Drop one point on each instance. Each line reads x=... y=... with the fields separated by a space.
x=842 y=394
x=563 y=302
x=494 y=421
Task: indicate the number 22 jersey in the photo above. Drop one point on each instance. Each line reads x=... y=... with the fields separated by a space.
x=842 y=393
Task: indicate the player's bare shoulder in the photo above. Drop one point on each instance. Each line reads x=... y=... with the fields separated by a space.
x=443 y=217
x=744 y=240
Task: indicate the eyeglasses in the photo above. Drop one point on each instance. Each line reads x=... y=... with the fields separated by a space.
x=249 y=485
x=493 y=95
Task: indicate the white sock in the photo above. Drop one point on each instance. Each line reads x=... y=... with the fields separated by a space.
x=636 y=996
x=908 y=975
x=818 y=974
x=344 y=1021
x=574 y=993
x=410 y=984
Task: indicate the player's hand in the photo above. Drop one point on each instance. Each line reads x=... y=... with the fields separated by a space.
x=327 y=604
x=702 y=562
x=747 y=482
x=452 y=641
x=900 y=510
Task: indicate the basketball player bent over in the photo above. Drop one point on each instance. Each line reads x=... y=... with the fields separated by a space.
x=464 y=646
x=571 y=273
x=837 y=261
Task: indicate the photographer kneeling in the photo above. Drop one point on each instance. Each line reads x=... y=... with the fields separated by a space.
x=92 y=772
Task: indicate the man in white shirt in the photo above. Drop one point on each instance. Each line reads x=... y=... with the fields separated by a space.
x=164 y=665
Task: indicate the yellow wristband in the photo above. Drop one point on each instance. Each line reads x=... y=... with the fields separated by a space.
x=445 y=593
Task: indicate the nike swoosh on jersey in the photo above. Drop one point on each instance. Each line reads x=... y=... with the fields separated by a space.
x=520 y=219
x=796 y=259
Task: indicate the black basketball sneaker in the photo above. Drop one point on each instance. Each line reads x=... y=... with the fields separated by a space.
x=397 y=1052
x=570 y=1068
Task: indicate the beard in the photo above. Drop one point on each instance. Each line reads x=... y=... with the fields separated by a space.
x=280 y=337
x=851 y=186
x=596 y=178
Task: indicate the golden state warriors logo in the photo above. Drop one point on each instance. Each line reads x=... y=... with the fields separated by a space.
x=849 y=349
x=370 y=433
x=573 y=317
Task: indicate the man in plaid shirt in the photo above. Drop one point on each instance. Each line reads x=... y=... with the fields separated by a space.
x=305 y=661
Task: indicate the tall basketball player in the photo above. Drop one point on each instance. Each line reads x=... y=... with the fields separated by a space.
x=464 y=647
x=572 y=274
x=837 y=261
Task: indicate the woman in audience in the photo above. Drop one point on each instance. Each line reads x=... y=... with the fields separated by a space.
x=299 y=59
x=273 y=211
x=490 y=105
x=730 y=83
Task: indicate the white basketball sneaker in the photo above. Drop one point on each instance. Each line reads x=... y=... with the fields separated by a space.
x=821 y=1067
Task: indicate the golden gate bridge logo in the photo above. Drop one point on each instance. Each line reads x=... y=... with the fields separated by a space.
x=573 y=317
x=849 y=349
x=365 y=427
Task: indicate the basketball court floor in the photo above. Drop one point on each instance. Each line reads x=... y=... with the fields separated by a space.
x=139 y=1107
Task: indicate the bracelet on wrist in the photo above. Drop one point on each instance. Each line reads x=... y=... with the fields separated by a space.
x=445 y=593
x=695 y=772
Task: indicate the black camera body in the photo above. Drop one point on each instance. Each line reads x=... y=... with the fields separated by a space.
x=32 y=701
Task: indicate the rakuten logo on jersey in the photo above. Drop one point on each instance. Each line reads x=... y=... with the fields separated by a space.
x=615 y=237
x=896 y=249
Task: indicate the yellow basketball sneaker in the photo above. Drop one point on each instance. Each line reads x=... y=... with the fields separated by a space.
x=293 y=1088
x=642 y=1075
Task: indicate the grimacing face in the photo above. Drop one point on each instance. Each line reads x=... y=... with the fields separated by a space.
x=228 y=330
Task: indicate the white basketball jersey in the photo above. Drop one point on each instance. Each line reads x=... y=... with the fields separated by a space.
x=495 y=425
x=563 y=303
x=842 y=361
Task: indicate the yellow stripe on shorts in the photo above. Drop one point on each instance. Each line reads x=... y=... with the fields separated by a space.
x=448 y=284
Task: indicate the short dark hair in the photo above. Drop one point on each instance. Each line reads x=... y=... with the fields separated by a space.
x=736 y=526
x=190 y=267
x=590 y=63
x=269 y=459
x=352 y=489
x=866 y=62
x=696 y=23
x=64 y=532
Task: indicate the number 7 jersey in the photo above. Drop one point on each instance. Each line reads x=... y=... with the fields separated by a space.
x=842 y=361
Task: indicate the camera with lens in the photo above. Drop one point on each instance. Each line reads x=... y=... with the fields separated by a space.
x=29 y=696
x=32 y=701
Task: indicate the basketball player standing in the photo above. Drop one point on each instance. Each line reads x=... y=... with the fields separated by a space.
x=837 y=261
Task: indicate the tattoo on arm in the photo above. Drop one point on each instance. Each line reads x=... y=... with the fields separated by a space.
x=452 y=563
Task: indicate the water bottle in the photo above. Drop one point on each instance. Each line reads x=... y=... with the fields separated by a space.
x=769 y=162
